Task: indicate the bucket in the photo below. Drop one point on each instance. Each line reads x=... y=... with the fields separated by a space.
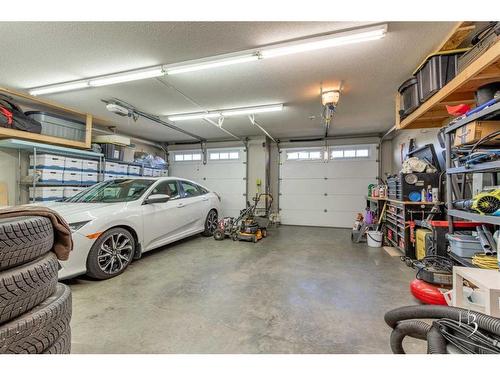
x=374 y=238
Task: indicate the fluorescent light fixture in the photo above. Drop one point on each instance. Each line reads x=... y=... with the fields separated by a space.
x=252 y=110
x=128 y=76
x=59 y=88
x=211 y=64
x=338 y=39
x=227 y=112
x=330 y=97
x=194 y=116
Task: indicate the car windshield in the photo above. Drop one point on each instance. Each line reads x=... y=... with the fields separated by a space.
x=114 y=191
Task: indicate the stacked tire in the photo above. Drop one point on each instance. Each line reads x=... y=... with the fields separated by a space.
x=35 y=310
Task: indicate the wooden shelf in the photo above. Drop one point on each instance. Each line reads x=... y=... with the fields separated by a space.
x=432 y=113
x=34 y=102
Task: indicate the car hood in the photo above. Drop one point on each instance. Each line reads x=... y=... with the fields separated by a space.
x=75 y=212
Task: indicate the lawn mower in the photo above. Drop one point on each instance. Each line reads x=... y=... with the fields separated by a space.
x=247 y=226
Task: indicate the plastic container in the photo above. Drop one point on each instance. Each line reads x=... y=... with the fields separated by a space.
x=464 y=245
x=133 y=170
x=147 y=171
x=59 y=126
x=109 y=176
x=72 y=177
x=73 y=164
x=68 y=192
x=112 y=151
x=89 y=178
x=111 y=168
x=435 y=72
x=122 y=169
x=374 y=238
x=48 y=161
x=46 y=193
x=409 y=97
x=49 y=176
x=90 y=166
x=156 y=172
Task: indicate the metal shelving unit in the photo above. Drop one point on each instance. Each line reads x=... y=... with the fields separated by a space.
x=453 y=172
x=34 y=148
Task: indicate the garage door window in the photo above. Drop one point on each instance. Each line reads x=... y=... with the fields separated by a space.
x=349 y=153
x=196 y=156
x=229 y=155
x=304 y=155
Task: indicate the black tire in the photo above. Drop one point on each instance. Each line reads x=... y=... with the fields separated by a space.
x=235 y=236
x=23 y=239
x=40 y=328
x=264 y=232
x=25 y=286
x=62 y=345
x=117 y=265
x=211 y=222
x=219 y=235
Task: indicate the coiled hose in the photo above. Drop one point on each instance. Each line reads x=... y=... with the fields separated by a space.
x=436 y=342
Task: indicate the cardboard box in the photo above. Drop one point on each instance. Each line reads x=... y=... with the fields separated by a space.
x=474 y=131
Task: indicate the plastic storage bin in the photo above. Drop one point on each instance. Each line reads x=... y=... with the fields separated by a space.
x=157 y=172
x=133 y=170
x=72 y=177
x=48 y=161
x=122 y=169
x=46 y=193
x=59 y=126
x=73 y=164
x=69 y=192
x=112 y=151
x=409 y=97
x=89 y=178
x=147 y=172
x=111 y=167
x=464 y=245
x=90 y=166
x=109 y=176
x=435 y=72
x=49 y=176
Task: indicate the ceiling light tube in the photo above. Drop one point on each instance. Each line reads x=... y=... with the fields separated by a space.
x=227 y=112
x=338 y=39
x=194 y=116
x=211 y=64
x=252 y=110
x=127 y=76
x=59 y=88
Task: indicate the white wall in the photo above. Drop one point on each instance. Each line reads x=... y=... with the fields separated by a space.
x=8 y=173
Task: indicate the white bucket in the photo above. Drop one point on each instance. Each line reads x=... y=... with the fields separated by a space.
x=374 y=238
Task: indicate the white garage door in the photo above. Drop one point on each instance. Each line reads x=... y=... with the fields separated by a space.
x=224 y=173
x=325 y=186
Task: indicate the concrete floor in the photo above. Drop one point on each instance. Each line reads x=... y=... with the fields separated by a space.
x=301 y=290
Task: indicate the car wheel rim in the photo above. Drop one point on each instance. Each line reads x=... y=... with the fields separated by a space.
x=212 y=222
x=114 y=253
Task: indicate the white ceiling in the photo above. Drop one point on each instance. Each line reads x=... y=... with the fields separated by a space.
x=36 y=54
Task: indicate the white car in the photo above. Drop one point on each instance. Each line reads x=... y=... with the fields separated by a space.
x=118 y=220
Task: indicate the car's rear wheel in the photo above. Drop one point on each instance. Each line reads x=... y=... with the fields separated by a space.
x=111 y=254
x=210 y=223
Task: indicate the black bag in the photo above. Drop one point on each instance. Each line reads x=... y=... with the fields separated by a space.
x=11 y=116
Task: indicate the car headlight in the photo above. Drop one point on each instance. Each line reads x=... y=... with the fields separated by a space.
x=78 y=225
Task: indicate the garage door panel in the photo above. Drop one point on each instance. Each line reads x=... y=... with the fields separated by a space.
x=188 y=171
x=347 y=169
x=344 y=186
x=311 y=201
x=303 y=186
x=302 y=169
x=309 y=217
x=225 y=185
x=223 y=170
x=344 y=202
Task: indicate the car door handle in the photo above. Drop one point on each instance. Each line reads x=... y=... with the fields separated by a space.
x=180 y=205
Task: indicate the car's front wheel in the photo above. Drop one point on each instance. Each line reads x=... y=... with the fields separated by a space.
x=111 y=254
x=210 y=223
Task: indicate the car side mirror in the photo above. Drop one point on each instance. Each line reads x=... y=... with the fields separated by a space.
x=157 y=198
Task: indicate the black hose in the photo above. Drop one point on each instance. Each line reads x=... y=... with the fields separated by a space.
x=436 y=343
x=413 y=328
x=485 y=322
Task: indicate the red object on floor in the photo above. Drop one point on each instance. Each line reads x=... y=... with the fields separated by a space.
x=427 y=293
x=458 y=110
